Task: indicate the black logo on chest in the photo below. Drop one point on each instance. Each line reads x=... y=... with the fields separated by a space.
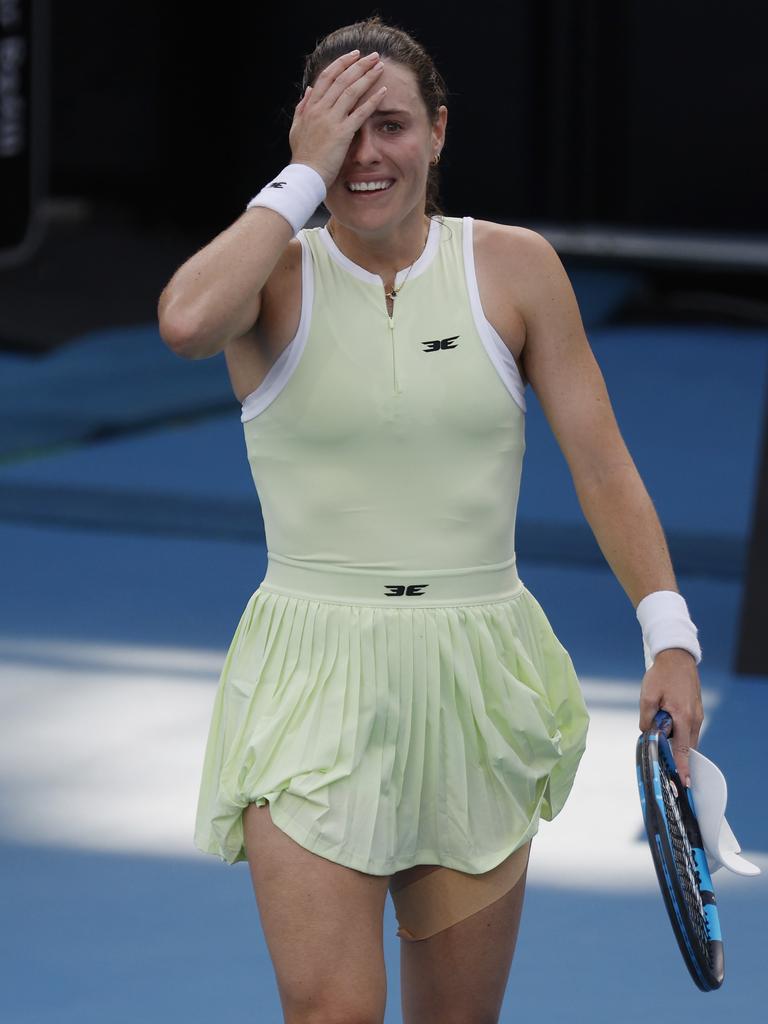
x=276 y=184
x=403 y=590
x=442 y=343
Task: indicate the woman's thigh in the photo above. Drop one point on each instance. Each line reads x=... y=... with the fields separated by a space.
x=322 y=923
x=460 y=974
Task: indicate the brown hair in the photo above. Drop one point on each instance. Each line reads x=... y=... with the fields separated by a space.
x=371 y=35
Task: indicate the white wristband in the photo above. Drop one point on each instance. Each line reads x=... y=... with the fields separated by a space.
x=663 y=616
x=295 y=193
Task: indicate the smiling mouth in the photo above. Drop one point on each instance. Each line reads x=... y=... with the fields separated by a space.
x=369 y=191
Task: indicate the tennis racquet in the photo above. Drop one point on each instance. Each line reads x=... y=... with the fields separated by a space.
x=678 y=855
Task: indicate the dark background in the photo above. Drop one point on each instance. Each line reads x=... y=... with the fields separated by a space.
x=639 y=113
x=152 y=125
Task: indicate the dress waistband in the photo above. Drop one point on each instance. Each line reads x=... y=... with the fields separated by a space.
x=396 y=588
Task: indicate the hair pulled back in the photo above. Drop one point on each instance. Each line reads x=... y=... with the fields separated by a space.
x=371 y=35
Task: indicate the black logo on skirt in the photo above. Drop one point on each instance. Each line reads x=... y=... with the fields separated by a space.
x=400 y=589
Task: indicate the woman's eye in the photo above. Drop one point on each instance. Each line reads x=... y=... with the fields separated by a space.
x=394 y=124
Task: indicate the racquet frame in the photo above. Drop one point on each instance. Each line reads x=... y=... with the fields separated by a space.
x=652 y=756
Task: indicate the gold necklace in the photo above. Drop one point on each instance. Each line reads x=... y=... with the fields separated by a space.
x=395 y=291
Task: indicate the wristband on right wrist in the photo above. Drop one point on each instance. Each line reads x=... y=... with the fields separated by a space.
x=663 y=616
x=295 y=193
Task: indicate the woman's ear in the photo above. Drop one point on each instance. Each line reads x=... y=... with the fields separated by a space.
x=438 y=128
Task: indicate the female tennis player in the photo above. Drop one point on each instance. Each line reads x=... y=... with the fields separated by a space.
x=395 y=713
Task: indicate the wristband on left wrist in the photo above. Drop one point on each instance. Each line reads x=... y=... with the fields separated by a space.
x=665 y=622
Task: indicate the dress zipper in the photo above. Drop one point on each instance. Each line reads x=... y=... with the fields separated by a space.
x=391 y=319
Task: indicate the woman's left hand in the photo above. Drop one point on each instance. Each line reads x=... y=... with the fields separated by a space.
x=672 y=682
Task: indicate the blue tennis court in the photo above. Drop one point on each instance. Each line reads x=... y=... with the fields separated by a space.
x=132 y=539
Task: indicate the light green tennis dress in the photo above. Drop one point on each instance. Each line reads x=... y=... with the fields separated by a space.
x=392 y=688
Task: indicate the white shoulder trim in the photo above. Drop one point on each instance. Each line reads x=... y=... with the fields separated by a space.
x=288 y=360
x=499 y=354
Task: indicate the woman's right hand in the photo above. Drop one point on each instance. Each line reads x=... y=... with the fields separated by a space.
x=326 y=118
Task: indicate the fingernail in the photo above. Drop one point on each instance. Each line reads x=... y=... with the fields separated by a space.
x=687 y=781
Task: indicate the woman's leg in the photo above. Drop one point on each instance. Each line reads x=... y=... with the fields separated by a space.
x=459 y=975
x=323 y=925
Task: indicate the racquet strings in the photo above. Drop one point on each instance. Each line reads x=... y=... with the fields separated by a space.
x=685 y=863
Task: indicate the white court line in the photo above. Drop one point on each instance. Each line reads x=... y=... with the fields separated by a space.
x=103 y=747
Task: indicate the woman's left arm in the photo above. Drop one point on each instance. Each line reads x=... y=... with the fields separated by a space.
x=564 y=373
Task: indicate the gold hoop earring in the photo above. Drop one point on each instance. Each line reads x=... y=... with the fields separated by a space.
x=436 y=161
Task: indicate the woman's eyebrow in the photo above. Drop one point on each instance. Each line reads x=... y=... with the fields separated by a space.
x=392 y=113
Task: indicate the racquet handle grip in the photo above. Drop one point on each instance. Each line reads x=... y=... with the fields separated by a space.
x=663 y=721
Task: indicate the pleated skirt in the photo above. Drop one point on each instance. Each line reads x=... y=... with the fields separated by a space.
x=392 y=718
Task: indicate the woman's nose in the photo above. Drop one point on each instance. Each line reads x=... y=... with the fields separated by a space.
x=363 y=147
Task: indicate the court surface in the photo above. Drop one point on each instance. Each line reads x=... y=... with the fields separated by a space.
x=131 y=540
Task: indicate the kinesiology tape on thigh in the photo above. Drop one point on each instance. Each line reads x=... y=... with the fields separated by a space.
x=444 y=896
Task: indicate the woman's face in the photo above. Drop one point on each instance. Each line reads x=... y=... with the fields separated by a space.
x=395 y=144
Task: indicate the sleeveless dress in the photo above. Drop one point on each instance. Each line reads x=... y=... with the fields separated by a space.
x=392 y=688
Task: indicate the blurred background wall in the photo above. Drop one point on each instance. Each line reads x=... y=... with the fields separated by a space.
x=629 y=131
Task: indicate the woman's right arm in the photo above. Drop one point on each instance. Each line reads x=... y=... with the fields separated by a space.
x=216 y=295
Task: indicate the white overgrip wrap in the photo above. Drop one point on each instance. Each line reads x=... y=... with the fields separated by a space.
x=664 y=619
x=295 y=193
